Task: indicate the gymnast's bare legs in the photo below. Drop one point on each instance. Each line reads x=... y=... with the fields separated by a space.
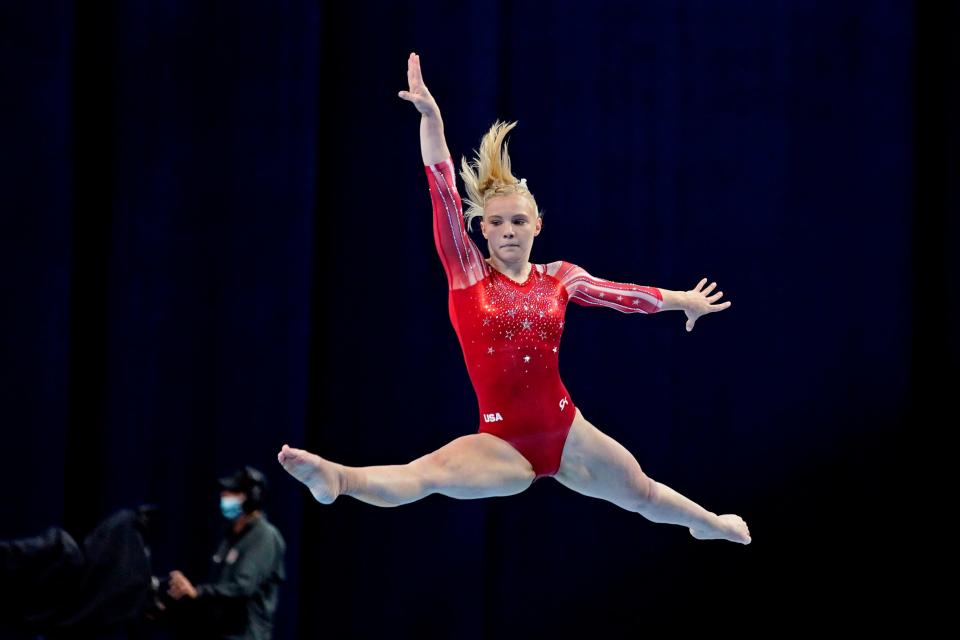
x=481 y=465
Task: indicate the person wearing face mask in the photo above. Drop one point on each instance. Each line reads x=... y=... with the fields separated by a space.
x=508 y=314
x=240 y=598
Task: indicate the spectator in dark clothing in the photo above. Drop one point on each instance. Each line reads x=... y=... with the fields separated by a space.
x=240 y=598
x=54 y=586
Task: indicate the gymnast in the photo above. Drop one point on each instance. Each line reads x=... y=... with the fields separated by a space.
x=508 y=314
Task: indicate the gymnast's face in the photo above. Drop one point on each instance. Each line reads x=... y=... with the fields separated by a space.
x=509 y=224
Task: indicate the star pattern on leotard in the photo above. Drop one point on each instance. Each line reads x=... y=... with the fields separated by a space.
x=514 y=321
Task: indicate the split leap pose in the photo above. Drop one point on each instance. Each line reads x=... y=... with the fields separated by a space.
x=509 y=314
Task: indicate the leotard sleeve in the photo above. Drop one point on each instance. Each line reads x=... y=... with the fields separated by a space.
x=461 y=259
x=589 y=291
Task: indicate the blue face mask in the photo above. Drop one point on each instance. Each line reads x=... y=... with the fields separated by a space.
x=231 y=507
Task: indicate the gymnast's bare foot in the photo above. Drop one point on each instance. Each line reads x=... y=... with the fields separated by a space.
x=321 y=476
x=729 y=527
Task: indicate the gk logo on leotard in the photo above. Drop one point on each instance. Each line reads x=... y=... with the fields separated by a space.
x=564 y=403
x=492 y=417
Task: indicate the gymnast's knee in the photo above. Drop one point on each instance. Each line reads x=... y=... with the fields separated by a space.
x=433 y=471
x=645 y=490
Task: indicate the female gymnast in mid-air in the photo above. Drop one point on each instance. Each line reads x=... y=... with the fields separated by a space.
x=508 y=314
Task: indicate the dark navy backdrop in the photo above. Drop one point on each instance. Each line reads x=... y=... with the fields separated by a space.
x=217 y=238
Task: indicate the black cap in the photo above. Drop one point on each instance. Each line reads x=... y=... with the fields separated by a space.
x=244 y=480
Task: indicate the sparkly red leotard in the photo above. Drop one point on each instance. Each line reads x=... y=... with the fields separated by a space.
x=510 y=332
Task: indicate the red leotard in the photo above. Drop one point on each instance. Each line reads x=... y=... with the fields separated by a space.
x=510 y=332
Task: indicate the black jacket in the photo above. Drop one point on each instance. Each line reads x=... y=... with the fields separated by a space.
x=52 y=585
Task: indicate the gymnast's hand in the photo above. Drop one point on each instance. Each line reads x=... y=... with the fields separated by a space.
x=418 y=94
x=698 y=303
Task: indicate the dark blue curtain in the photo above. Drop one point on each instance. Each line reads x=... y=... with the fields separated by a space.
x=217 y=239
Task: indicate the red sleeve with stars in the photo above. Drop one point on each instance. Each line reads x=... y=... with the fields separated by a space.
x=461 y=259
x=588 y=291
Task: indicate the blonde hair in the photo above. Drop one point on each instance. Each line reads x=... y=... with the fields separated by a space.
x=489 y=174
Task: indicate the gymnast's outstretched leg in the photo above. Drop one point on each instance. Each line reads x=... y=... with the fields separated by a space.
x=596 y=465
x=475 y=466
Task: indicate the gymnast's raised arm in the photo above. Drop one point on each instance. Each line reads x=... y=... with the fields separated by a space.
x=461 y=259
